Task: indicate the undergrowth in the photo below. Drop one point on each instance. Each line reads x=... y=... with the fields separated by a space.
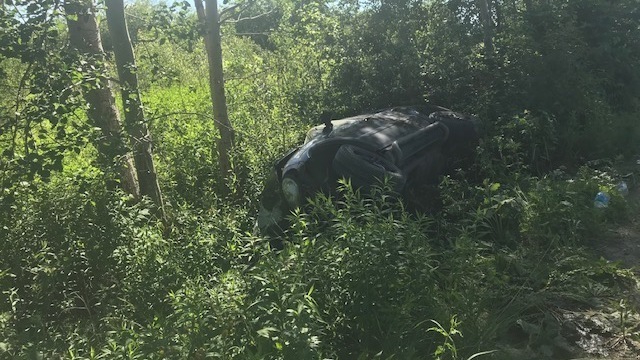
x=359 y=277
x=86 y=273
x=498 y=272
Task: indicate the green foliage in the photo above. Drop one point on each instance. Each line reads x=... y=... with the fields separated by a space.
x=380 y=285
x=85 y=273
x=55 y=257
x=449 y=345
x=525 y=141
x=377 y=59
x=83 y=262
x=550 y=64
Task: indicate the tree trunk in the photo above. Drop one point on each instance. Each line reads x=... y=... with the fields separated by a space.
x=487 y=27
x=499 y=14
x=84 y=36
x=135 y=123
x=209 y=20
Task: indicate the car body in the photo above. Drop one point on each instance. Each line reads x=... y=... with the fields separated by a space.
x=409 y=146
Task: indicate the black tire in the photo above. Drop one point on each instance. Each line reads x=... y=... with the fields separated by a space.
x=366 y=168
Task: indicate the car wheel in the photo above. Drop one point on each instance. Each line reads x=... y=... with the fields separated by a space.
x=364 y=168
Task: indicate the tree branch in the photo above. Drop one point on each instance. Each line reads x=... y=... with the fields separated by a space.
x=230 y=9
x=243 y=5
x=253 y=33
x=250 y=17
x=200 y=11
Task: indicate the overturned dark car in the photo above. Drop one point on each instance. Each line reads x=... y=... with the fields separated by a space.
x=409 y=147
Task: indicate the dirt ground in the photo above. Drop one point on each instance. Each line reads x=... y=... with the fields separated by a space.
x=622 y=242
x=614 y=332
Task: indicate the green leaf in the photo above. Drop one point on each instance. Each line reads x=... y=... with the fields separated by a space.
x=266 y=332
x=481 y=354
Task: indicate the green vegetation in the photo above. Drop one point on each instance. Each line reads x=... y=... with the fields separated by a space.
x=88 y=272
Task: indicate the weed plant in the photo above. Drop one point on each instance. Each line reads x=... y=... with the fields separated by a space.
x=86 y=274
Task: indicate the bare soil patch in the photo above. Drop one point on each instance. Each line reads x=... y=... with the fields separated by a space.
x=613 y=331
x=622 y=242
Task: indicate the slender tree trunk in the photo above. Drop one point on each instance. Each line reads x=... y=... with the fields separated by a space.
x=135 y=122
x=487 y=26
x=209 y=20
x=534 y=19
x=497 y=6
x=85 y=37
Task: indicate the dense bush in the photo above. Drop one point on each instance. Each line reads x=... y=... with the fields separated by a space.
x=87 y=273
x=358 y=277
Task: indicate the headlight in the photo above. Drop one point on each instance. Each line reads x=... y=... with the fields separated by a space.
x=291 y=191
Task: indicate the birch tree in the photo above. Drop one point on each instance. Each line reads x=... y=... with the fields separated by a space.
x=210 y=21
x=84 y=36
x=135 y=122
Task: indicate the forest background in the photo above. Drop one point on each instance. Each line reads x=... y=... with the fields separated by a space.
x=91 y=268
